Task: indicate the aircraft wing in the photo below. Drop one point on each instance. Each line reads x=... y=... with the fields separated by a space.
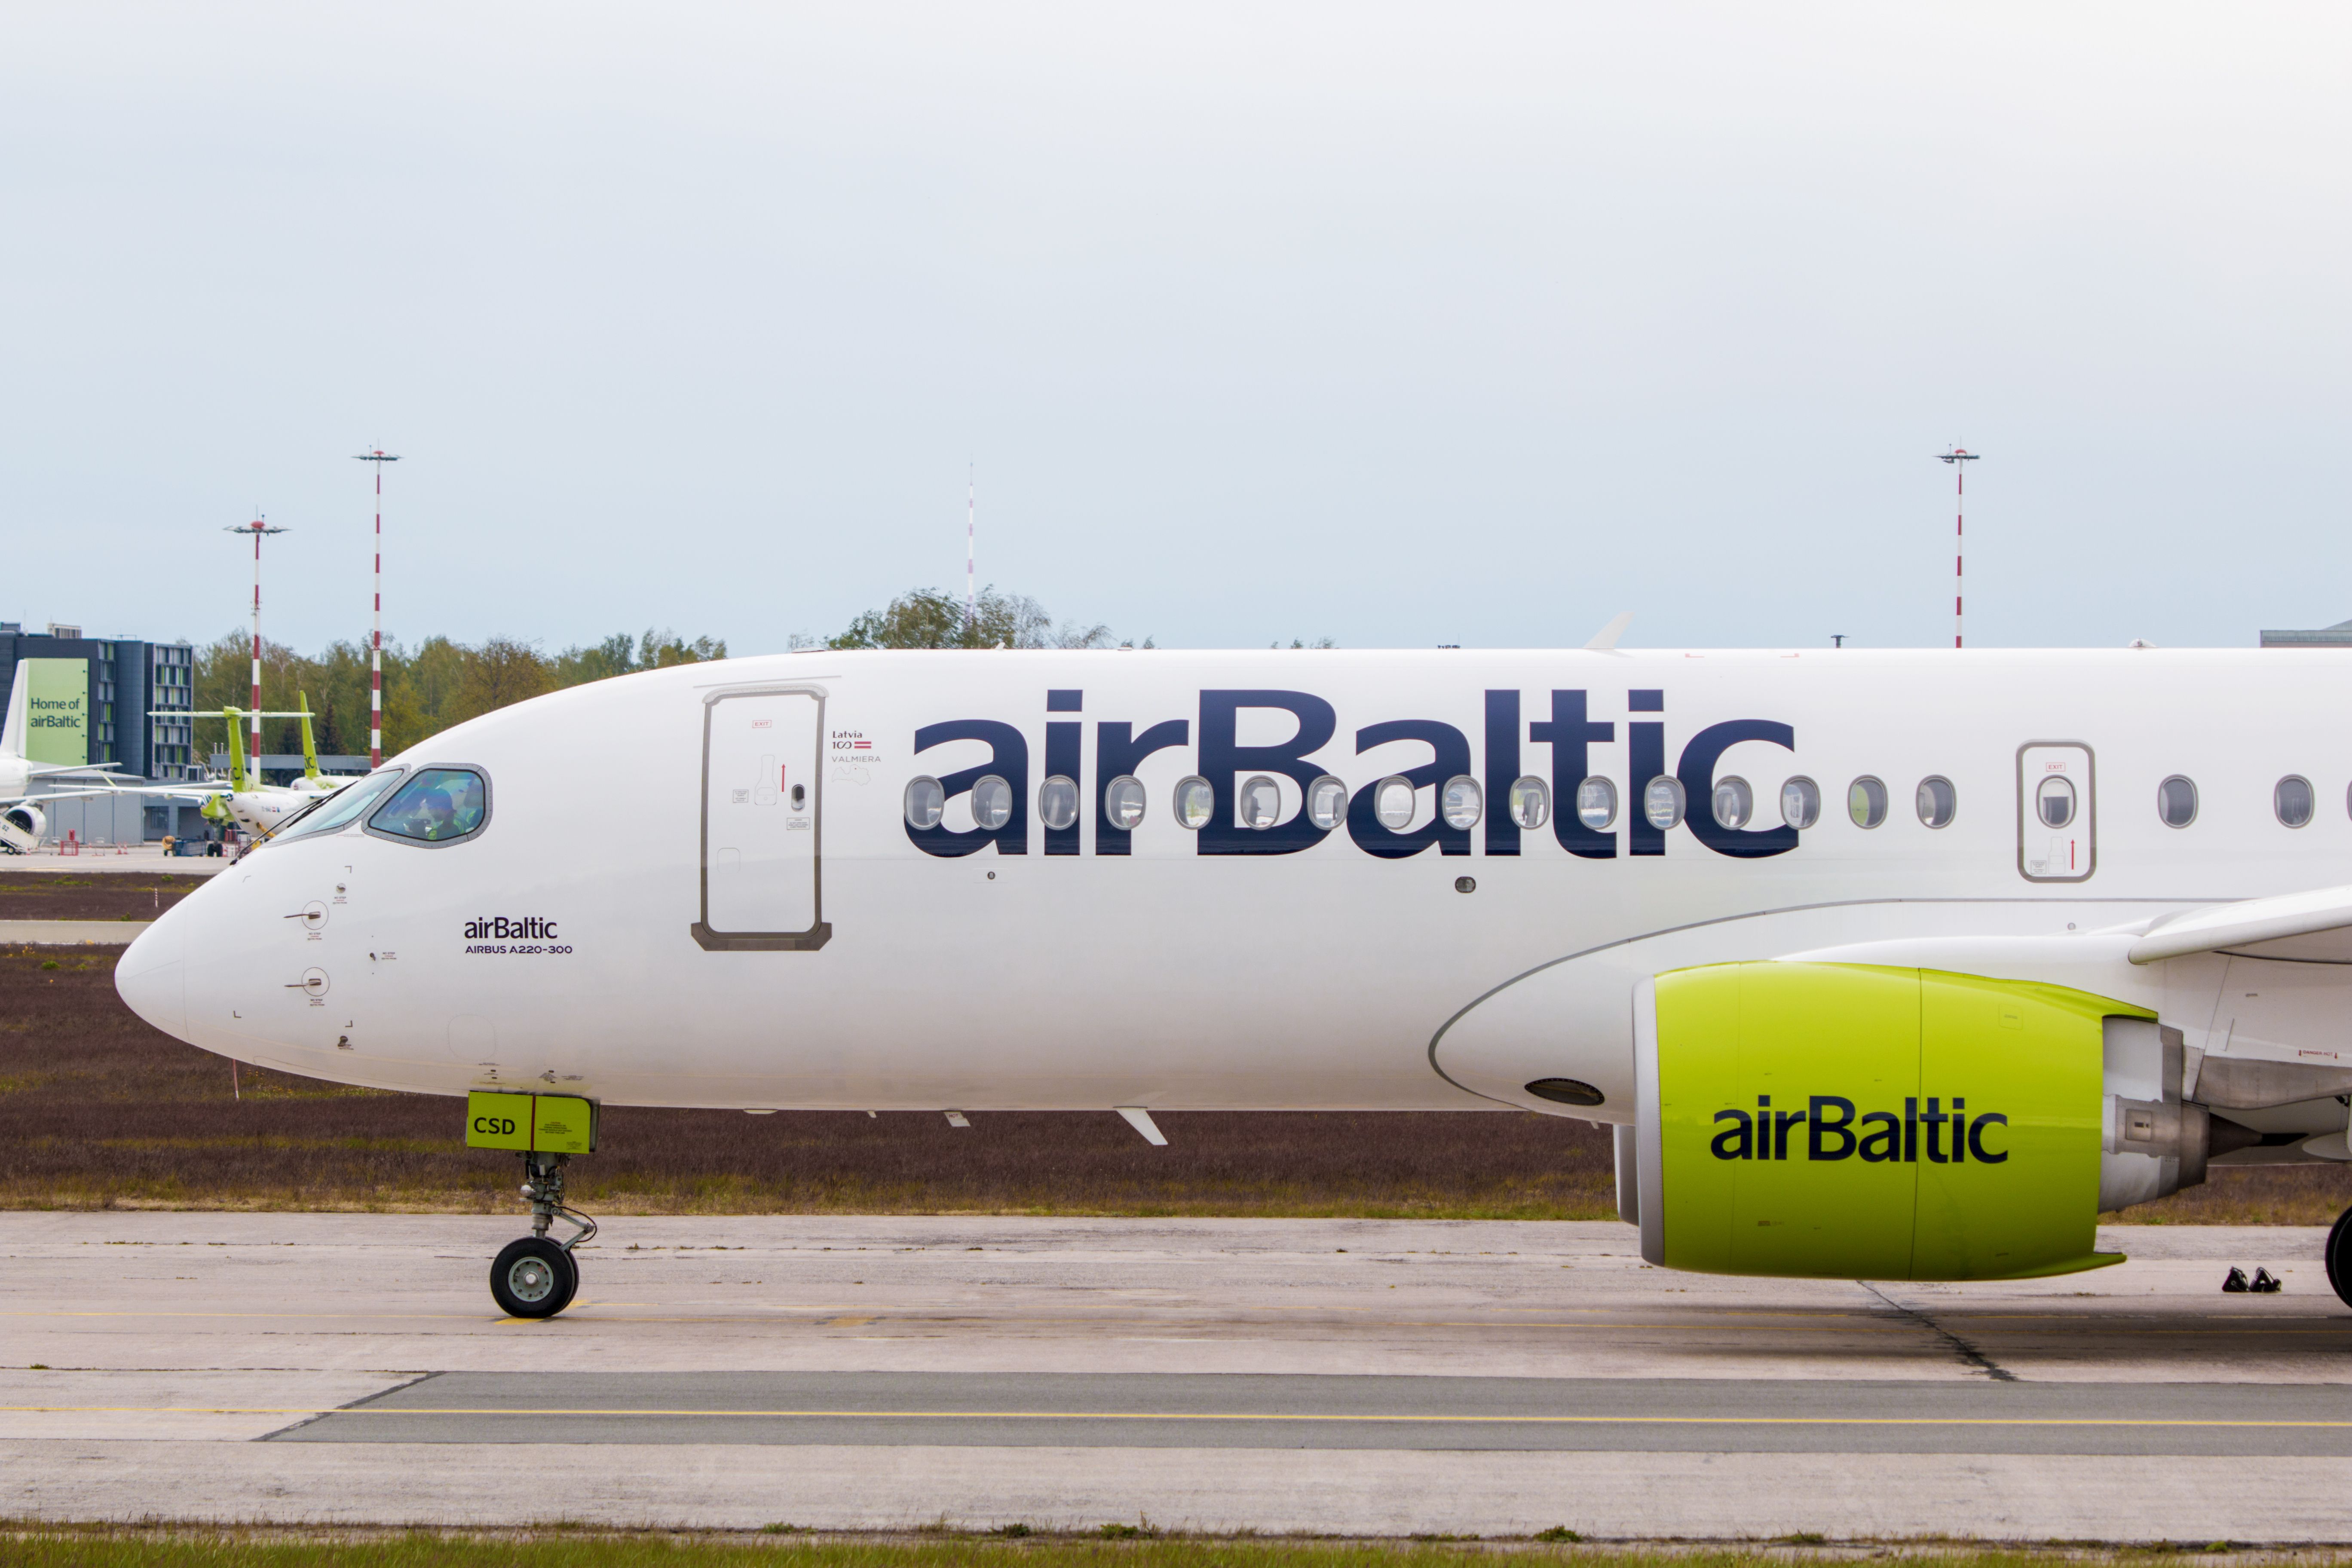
x=175 y=792
x=2315 y=927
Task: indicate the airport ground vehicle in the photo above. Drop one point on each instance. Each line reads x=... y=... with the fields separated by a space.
x=1887 y=964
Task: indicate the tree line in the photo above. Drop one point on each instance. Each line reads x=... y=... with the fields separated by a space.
x=426 y=688
x=441 y=681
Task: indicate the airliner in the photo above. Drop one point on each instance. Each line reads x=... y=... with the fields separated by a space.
x=23 y=822
x=252 y=804
x=1882 y=965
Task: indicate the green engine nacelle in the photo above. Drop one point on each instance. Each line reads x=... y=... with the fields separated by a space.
x=1859 y=1122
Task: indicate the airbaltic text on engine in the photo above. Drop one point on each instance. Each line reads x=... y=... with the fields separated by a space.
x=1765 y=1135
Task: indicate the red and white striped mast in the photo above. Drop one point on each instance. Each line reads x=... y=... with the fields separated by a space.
x=376 y=649
x=1957 y=457
x=258 y=528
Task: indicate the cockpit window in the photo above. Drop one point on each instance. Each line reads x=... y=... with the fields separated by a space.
x=437 y=805
x=340 y=810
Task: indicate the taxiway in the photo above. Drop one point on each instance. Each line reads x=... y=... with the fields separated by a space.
x=1328 y=1375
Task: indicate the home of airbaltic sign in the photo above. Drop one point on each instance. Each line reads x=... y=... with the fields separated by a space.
x=57 y=721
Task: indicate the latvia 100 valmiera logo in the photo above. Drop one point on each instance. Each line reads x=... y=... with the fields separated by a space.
x=1828 y=1130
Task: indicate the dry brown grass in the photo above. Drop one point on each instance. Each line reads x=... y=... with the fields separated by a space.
x=1112 y=1544
x=93 y=896
x=97 y=1109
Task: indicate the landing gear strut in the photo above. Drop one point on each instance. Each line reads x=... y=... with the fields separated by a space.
x=536 y=1277
x=2339 y=1257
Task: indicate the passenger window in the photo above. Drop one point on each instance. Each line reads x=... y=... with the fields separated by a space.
x=800 y=797
x=1327 y=802
x=2291 y=799
x=1260 y=802
x=1866 y=802
x=1123 y=801
x=1939 y=801
x=341 y=809
x=437 y=805
x=1733 y=804
x=1193 y=802
x=2176 y=802
x=1596 y=803
x=2054 y=800
x=1392 y=802
x=1462 y=803
x=1665 y=802
x=1531 y=802
x=992 y=802
x=1800 y=803
x=926 y=801
x=1057 y=801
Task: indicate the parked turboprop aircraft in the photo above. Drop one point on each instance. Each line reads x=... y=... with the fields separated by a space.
x=22 y=820
x=259 y=807
x=1891 y=965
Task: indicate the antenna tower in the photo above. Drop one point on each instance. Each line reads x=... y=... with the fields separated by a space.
x=376 y=651
x=970 y=519
x=1957 y=457
x=259 y=527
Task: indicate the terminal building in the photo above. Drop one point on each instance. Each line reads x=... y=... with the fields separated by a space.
x=108 y=702
x=2337 y=635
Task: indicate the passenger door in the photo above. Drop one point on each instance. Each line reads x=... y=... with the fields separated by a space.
x=2057 y=811
x=761 y=821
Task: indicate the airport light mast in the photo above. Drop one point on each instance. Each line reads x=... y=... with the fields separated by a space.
x=259 y=527
x=375 y=640
x=971 y=520
x=1956 y=457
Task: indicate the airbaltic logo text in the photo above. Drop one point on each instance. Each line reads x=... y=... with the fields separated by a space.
x=1499 y=775
x=1833 y=1132
x=499 y=928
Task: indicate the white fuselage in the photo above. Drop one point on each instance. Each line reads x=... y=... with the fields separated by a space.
x=1330 y=976
x=261 y=809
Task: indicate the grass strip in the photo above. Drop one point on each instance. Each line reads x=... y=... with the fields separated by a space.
x=98 y=1110
x=1112 y=1544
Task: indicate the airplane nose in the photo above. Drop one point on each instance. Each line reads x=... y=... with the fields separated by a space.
x=150 y=978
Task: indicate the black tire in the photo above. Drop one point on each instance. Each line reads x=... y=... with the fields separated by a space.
x=533 y=1278
x=2339 y=1257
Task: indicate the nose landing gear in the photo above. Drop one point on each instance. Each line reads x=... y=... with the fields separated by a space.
x=537 y=1277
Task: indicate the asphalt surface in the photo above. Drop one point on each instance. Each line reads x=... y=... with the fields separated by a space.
x=1272 y=1411
x=1329 y=1377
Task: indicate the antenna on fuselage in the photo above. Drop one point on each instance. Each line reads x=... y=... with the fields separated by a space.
x=1956 y=457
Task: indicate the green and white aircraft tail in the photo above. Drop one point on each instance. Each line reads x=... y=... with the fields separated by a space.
x=252 y=804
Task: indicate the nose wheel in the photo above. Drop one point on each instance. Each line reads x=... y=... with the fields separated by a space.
x=536 y=1277
x=533 y=1278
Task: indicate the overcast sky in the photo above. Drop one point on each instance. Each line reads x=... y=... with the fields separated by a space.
x=1398 y=325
